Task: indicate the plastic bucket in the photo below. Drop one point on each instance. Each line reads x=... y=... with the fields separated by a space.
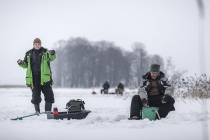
x=149 y=112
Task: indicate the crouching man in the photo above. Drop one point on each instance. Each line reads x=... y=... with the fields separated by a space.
x=38 y=74
x=105 y=88
x=120 y=89
x=155 y=91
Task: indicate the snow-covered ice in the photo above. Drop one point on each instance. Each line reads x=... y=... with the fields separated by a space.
x=108 y=119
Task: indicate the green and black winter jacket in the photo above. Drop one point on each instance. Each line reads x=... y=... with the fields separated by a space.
x=46 y=74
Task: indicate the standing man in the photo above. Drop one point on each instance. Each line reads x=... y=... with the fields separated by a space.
x=38 y=74
x=156 y=91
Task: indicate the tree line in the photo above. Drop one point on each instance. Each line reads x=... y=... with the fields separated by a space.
x=84 y=63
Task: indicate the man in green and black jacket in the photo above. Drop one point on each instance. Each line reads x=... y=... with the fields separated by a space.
x=38 y=74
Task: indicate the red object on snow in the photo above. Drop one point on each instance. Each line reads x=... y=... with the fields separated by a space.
x=93 y=92
x=55 y=110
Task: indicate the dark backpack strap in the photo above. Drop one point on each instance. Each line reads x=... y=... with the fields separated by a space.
x=82 y=104
x=68 y=104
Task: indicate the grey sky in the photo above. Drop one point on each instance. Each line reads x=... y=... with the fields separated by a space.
x=168 y=28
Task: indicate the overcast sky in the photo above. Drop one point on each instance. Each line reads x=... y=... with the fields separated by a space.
x=169 y=28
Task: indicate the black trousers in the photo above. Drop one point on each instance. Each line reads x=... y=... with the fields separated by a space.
x=36 y=91
x=154 y=101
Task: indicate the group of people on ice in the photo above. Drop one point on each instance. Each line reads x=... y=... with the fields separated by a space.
x=155 y=89
x=106 y=86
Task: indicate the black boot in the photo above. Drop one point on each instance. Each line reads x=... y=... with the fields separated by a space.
x=136 y=106
x=48 y=107
x=37 y=109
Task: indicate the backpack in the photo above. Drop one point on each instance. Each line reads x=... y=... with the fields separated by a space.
x=75 y=105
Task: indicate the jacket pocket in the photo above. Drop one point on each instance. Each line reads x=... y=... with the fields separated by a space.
x=47 y=78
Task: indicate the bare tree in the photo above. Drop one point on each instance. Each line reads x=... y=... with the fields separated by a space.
x=141 y=61
x=81 y=63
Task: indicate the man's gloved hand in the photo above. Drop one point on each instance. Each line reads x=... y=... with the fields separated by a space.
x=144 y=102
x=19 y=61
x=166 y=98
x=52 y=52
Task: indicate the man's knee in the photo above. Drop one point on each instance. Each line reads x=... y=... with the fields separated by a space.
x=50 y=100
x=49 y=95
x=36 y=97
x=136 y=98
x=36 y=100
x=172 y=100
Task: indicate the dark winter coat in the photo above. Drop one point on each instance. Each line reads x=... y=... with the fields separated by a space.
x=106 y=85
x=163 y=85
x=121 y=86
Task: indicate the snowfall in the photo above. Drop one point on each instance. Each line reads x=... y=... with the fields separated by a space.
x=108 y=119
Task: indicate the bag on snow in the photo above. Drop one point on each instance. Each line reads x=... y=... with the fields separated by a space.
x=75 y=105
x=75 y=110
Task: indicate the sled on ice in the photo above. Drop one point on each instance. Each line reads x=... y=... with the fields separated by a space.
x=75 y=110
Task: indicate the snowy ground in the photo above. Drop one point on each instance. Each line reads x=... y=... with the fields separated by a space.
x=107 y=120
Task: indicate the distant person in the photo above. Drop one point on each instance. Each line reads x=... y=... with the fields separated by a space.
x=120 y=89
x=105 y=88
x=39 y=75
x=155 y=91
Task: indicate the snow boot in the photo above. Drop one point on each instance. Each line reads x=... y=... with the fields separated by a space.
x=173 y=108
x=48 y=107
x=37 y=109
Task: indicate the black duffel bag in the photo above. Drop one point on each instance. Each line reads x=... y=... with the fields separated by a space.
x=75 y=105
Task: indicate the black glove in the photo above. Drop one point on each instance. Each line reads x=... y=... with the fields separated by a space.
x=52 y=52
x=144 y=101
x=166 y=98
x=20 y=61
